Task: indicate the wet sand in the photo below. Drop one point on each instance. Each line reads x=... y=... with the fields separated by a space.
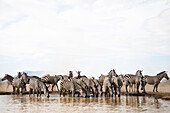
x=164 y=91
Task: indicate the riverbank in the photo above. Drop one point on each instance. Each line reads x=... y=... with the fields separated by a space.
x=164 y=91
x=162 y=95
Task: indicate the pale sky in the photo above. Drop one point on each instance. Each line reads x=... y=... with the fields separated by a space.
x=93 y=36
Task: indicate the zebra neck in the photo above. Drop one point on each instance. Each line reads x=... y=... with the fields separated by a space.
x=10 y=79
x=161 y=77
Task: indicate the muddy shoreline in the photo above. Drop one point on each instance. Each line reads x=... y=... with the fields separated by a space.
x=161 y=95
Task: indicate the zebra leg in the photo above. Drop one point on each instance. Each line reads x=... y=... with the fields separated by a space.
x=73 y=93
x=111 y=91
x=137 y=86
x=22 y=91
x=119 y=90
x=34 y=92
x=126 y=88
x=92 y=92
x=13 y=89
x=131 y=87
x=115 y=88
x=25 y=88
x=52 y=87
x=57 y=87
x=29 y=92
x=144 y=84
x=7 y=86
x=154 y=88
x=37 y=93
x=40 y=92
x=17 y=90
x=157 y=88
x=60 y=92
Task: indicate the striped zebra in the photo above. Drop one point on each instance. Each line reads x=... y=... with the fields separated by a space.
x=135 y=79
x=116 y=81
x=126 y=82
x=36 y=85
x=9 y=79
x=79 y=75
x=91 y=85
x=153 y=80
x=52 y=80
x=18 y=83
x=99 y=87
x=74 y=86
x=19 y=75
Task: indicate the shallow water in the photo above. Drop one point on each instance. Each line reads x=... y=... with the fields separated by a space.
x=133 y=104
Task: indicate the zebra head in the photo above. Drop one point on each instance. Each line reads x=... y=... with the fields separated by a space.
x=166 y=75
x=70 y=74
x=112 y=73
x=5 y=77
x=139 y=73
x=24 y=77
x=19 y=75
x=46 y=91
x=78 y=72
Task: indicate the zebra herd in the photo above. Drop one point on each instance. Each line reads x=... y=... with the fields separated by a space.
x=105 y=85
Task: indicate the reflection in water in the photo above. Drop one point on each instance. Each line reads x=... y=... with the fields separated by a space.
x=76 y=104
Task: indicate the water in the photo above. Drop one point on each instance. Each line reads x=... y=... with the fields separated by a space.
x=133 y=104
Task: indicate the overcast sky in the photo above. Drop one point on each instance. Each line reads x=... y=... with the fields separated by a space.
x=93 y=36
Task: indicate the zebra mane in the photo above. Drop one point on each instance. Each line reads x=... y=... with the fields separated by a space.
x=161 y=72
x=9 y=76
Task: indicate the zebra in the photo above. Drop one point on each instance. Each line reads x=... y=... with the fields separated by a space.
x=91 y=85
x=116 y=81
x=9 y=79
x=18 y=83
x=112 y=73
x=107 y=86
x=19 y=75
x=134 y=79
x=80 y=76
x=126 y=83
x=101 y=79
x=70 y=74
x=99 y=87
x=37 y=85
x=65 y=77
x=52 y=80
x=153 y=80
x=26 y=78
x=72 y=86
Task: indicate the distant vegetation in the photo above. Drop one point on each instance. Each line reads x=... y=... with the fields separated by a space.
x=165 y=82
